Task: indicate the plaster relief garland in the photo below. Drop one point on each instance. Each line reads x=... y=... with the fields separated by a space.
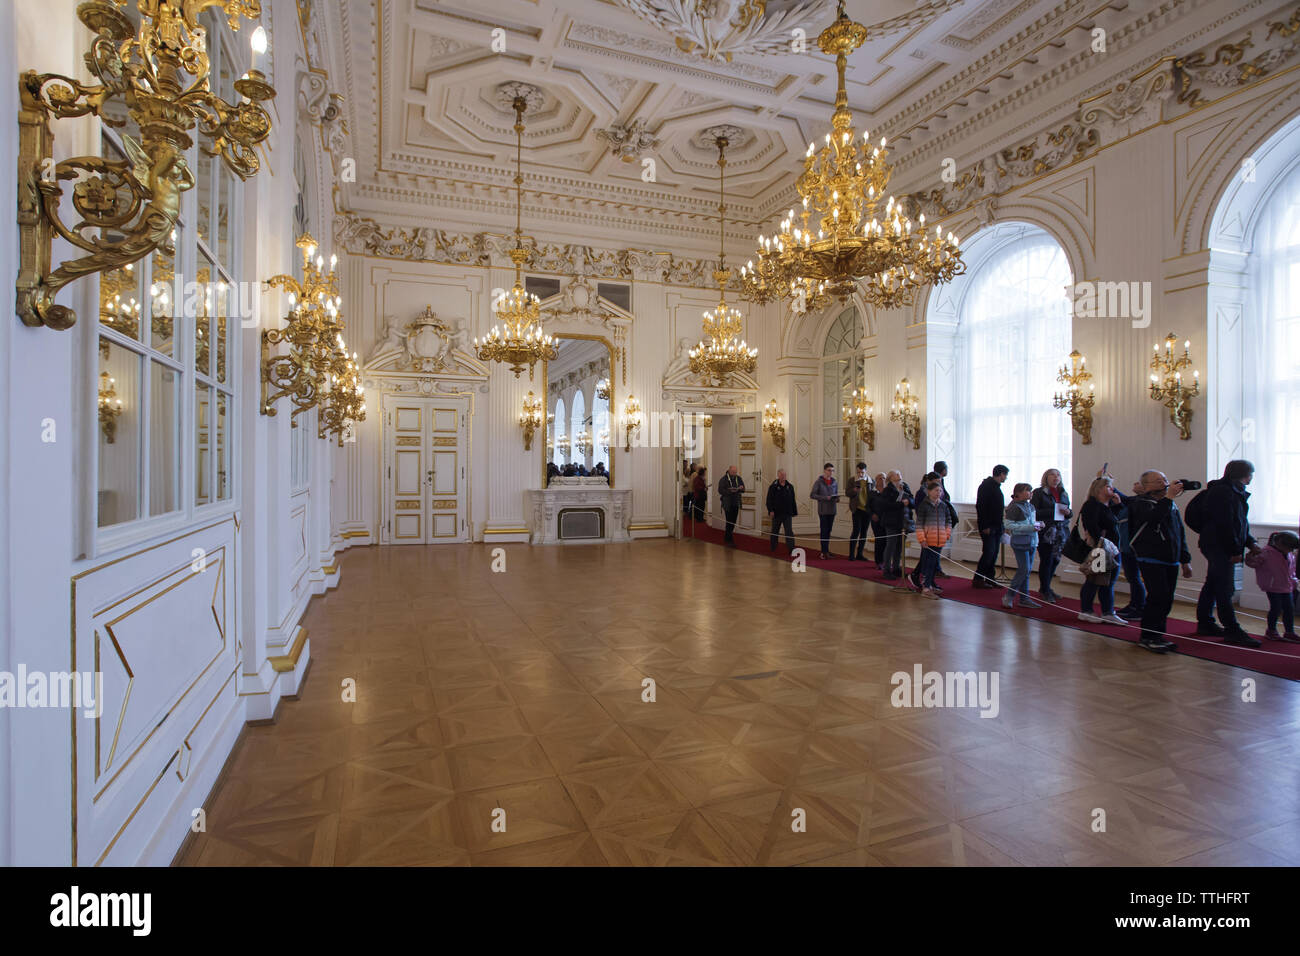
x=1170 y=86
x=363 y=236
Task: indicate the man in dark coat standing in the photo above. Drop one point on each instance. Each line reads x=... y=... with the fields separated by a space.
x=1160 y=546
x=730 y=487
x=990 y=504
x=1225 y=535
x=781 y=509
x=895 y=512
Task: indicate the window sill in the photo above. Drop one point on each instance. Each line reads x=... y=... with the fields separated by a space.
x=150 y=532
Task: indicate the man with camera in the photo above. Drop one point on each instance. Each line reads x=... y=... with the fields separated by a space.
x=1220 y=515
x=1160 y=546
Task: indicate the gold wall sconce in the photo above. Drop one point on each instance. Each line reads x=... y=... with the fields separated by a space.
x=530 y=418
x=905 y=410
x=582 y=443
x=344 y=401
x=774 y=424
x=603 y=389
x=160 y=72
x=860 y=412
x=631 y=419
x=313 y=334
x=1075 y=375
x=110 y=406
x=1167 y=384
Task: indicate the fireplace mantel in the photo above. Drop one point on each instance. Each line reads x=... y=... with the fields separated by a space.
x=545 y=505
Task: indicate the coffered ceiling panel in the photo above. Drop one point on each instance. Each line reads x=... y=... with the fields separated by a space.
x=625 y=101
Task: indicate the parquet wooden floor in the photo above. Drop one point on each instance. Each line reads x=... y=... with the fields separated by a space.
x=479 y=692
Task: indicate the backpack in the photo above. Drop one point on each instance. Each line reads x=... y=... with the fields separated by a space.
x=1194 y=515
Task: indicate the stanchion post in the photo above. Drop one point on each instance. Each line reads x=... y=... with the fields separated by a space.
x=1002 y=560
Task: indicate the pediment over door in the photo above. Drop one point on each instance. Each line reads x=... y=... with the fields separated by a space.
x=427 y=354
x=682 y=385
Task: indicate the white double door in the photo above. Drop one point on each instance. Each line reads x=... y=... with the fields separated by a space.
x=425 y=470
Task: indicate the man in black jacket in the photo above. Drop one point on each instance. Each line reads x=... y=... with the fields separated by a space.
x=1160 y=546
x=730 y=487
x=989 y=507
x=874 y=501
x=1225 y=534
x=859 y=489
x=781 y=508
x=895 y=512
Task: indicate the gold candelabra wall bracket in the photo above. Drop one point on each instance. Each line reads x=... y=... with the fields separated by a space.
x=905 y=411
x=316 y=371
x=1168 y=386
x=110 y=407
x=774 y=424
x=631 y=420
x=530 y=419
x=860 y=412
x=127 y=208
x=1074 y=376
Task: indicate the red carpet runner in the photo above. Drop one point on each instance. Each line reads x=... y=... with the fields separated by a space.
x=1274 y=657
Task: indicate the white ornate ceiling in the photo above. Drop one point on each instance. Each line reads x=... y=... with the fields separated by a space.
x=433 y=136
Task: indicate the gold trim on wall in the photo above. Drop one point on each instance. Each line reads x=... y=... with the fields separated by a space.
x=284 y=663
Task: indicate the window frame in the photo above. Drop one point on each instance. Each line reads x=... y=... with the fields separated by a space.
x=188 y=254
x=994 y=258
x=850 y=445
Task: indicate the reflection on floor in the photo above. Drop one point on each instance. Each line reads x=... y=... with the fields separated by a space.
x=521 y=691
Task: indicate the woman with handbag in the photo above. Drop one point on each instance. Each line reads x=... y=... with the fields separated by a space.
x=1099 y=525
x=1052 y=507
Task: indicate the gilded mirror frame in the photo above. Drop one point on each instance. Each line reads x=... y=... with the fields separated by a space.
x=613 y=405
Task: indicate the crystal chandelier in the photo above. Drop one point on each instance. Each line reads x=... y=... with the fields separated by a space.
x=521 y=342
x=853 y=240
x=722 y=351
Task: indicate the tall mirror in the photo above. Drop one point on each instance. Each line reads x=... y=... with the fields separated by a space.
x=579 y=400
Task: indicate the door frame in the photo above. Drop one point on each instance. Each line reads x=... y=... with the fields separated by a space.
x=463 y=406
x=677 y=480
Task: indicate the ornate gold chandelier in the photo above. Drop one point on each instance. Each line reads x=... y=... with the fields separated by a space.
x=522 y=342
x=722 y=351
x=850 y=243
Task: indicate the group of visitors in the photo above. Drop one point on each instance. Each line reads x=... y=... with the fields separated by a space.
x=1140 y=534
x=576 y=470
x=887 y=506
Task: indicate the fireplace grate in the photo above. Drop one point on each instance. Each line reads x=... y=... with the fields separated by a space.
x=577 y=524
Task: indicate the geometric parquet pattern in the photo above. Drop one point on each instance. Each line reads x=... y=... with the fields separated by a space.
x=479 y=692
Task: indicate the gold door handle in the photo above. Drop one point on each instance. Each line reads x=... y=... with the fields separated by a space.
x=429 y=476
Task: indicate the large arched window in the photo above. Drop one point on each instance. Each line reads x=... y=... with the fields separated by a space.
x=600 y=431
x=1270 y=341
x=842 y=372
x=559 y=431
x=577 y=454
x=1013 y=333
